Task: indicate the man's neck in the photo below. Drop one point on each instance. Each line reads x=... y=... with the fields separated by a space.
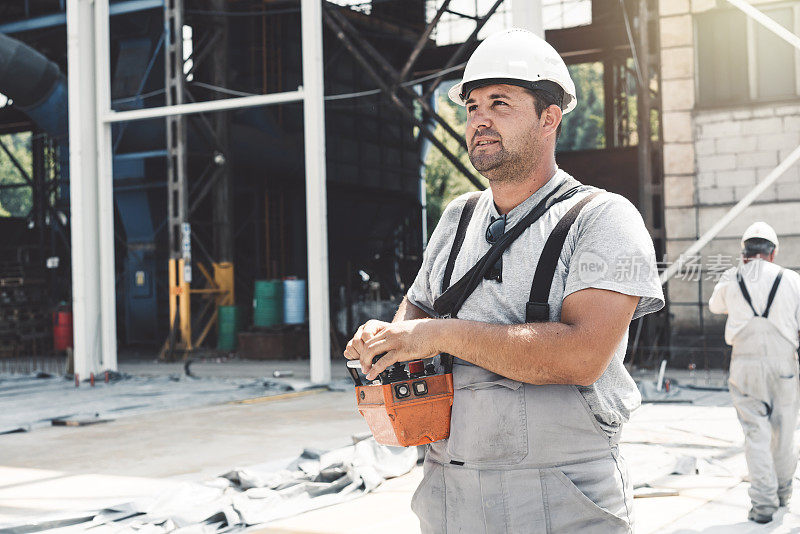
x=509 y=194
x=756 y=257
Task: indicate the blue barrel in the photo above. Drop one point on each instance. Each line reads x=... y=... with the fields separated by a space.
x=294 y=301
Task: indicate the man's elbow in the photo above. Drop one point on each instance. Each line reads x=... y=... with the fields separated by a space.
x=588 y=378
x=592 y=368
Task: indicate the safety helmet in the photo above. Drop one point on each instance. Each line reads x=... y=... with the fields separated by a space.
x=760 y=230
x=516 y=57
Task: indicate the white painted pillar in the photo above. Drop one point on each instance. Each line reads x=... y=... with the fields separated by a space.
x=316 y=197
x=527 y=14
x=83 y=186
x=105 y=190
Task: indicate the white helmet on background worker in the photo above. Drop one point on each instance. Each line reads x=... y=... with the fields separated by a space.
x=760 y=230
x=517 y=57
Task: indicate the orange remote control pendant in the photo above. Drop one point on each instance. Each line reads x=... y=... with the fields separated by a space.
x=406 y=407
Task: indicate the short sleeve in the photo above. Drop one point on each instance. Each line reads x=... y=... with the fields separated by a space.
x=421 y=293
x=717 y=303
x=614 y=251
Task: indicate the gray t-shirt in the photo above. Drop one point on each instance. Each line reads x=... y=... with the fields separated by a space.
x=608 y=247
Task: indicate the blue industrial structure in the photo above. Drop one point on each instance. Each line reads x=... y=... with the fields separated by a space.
x=373 y=157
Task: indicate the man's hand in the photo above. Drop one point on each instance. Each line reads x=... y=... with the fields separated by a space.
x=398 y=342
x=356 y=346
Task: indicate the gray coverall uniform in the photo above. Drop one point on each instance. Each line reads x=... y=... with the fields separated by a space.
x=765 y=391
x=525 y=458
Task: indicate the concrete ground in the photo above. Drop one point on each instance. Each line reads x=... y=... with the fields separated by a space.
x=52 y=471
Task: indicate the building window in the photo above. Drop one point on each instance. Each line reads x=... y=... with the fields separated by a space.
x=16 y=195
x=739 y=61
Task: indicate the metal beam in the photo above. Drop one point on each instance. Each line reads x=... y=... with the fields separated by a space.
x=463 y=48
x=60 y=19
x=401 y=106
x=767 y=22
x=423 y=40
x=204 y=107
x=390 y=70
x=316 y=195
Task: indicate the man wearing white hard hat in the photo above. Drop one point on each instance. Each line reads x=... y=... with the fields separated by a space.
x=762 y=301
x=522 y=285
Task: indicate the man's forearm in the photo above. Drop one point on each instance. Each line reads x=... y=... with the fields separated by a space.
x=407 y=312
x=535 y=353
x=575 y=350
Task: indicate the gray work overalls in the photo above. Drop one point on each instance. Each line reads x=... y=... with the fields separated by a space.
x=764 y=388
x=521 y=458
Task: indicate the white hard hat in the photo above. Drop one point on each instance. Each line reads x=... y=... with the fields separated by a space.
x=514 y=56
x=760 y=230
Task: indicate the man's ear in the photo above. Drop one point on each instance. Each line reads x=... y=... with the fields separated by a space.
x=552 y=117
x=772 y=255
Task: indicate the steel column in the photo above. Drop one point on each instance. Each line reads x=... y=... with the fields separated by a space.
x=105 y=187
x=84 y=217
x=223 y=186
x=177 y=195
x=528 y=14
x=316 y=197
x=643 y=127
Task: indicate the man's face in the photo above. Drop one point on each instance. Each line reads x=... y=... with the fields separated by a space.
x=505 y=138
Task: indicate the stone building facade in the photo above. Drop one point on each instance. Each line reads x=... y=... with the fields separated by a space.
x=730 y=95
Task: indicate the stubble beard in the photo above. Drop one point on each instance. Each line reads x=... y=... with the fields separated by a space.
x=504 y=165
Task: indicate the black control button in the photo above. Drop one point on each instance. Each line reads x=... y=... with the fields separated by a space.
x=420 y=388
x=402 y=391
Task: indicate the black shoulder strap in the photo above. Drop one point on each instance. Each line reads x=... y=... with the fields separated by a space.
x=745 y=293
x=772 y=292
x=449 y=302
x=537 y=309
x=461 y=232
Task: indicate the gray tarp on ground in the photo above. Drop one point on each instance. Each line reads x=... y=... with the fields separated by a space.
x=27 y=401
x=266 y=492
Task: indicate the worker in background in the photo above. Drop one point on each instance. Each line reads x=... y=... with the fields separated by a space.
x=541 y=392
x=762 y=301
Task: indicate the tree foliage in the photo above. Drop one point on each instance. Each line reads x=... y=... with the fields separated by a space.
x=584 y=127
x=16 y=202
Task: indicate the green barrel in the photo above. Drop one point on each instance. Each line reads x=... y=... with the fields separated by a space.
x=227 y=327
x=268 y=303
